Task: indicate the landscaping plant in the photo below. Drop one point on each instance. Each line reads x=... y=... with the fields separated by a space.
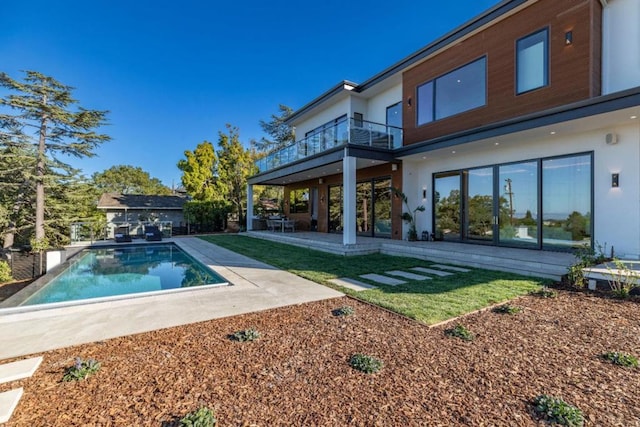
x=587 y=257
x=366 y=364
x=557 y=411
x=622 y=359
x=81 y=369
x=203 y=417
x=250 y=334
x=346 y=310
x=545 y=292
x=5 y=272
x=459 y=331
x=621 y=279
x=507 y=309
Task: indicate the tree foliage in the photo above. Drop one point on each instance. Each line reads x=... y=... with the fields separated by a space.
x=39 y=122
x=126 y=179
x=235 y=166
x=198 y=172
x=279 y=131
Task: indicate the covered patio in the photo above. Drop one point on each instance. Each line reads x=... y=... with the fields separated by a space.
x=527 y=262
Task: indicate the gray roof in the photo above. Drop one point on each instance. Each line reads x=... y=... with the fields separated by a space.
x=140 y=201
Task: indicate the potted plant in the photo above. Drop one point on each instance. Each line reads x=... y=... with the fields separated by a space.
x=409 y=215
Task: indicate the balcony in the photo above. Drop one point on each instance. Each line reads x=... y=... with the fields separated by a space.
x=347 y=131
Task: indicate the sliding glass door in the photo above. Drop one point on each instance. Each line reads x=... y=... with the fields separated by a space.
x=544 y=203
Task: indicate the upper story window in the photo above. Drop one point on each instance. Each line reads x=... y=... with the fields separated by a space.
x=458 y=91
x=532 y=61
x=394 y=115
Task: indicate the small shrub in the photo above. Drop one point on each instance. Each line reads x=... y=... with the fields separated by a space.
x=459 y=331
x=366 y=364
x=507 y=309
x=246 y=335
x=556 y=410
x=5 y=272
x=545 y=292
x=587 y=257
x=344 y=311
x=203 y=417
x=81 y=369
x=622 y=359
x=621 y=278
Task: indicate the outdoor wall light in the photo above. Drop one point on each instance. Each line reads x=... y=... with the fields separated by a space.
x=615 y=180
x=409 y=102
x=320 y=181
x=568 y=38
x=424 y=192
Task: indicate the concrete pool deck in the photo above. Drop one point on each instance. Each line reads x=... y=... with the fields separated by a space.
x=255 y=286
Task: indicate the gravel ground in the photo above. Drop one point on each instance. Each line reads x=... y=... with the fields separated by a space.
x=298 y=372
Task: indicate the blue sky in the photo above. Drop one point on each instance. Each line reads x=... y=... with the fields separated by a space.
x=172 y=74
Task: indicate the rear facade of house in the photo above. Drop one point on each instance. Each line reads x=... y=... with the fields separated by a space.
x=519 y=128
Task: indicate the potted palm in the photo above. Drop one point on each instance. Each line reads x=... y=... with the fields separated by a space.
x=409 y=215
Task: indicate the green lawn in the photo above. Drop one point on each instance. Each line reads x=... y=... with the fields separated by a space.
x=429 y=301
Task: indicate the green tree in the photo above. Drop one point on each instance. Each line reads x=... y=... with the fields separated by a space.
x=198 y=172
x=45 y=118
x=279 y=131
x=235 y=166
x=126 y=179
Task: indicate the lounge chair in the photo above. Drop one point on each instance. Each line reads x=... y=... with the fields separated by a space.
x=121 y=235
x=152 y=233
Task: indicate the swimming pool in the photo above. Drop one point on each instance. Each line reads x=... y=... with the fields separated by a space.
x=123 y=270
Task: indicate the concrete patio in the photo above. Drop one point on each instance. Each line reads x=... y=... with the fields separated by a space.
x=527 y=262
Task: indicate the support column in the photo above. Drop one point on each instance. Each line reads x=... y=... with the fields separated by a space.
x=349 y=203
x=249 y=207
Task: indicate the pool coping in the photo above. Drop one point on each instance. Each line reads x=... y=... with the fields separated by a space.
x=256 y=287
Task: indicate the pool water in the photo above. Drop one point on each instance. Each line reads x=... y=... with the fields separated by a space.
x=106 y=272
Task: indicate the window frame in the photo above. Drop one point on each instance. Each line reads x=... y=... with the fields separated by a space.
x=434 y=90
x=546 y=58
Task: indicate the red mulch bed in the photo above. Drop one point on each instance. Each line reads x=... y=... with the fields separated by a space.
x=298 y=373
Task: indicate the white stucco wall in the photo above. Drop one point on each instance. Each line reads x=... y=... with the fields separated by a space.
x=331 y=112
x=377 y=106
x=621 y=45
x=616 y=213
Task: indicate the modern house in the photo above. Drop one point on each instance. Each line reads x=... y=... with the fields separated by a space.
x=136 y=210
x=520 y=128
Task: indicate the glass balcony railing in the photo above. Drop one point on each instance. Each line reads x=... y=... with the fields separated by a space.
x=352 y=131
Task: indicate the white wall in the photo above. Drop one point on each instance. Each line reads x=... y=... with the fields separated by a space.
x=377 y=108
x=616 y=210
x=621 y=45
x=331 y=112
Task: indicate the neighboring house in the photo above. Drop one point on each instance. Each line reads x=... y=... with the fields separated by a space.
x=519 y=128
x=136 y=210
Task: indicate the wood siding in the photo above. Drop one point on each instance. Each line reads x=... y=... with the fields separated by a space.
x=574 y=70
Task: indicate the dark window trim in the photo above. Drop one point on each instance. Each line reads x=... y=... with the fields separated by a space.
x=386 y=117
x=539 y=161
x=547 y=60
x=433 y=98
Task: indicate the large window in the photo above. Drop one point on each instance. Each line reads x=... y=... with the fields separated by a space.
x=299 y=201
x=456 y=92
x=532 y=61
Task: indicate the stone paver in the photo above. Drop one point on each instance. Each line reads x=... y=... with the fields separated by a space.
x=448 y=267
x=8 y=402
x=407 y=275
x=432 y=271
x=382 y=279
x=354 y=284
x=19 y=369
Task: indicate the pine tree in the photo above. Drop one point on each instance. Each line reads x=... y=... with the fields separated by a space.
x=46 y=125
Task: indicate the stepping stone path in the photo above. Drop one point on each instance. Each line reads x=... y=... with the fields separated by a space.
x=11 y=372
x=385 y=280
x=432 y=271
x=407 y=275
x=448 y=267
x=354 y=284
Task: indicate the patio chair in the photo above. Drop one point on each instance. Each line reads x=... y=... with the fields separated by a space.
x=121 y=234
x=289 y=224
x=152 y=233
